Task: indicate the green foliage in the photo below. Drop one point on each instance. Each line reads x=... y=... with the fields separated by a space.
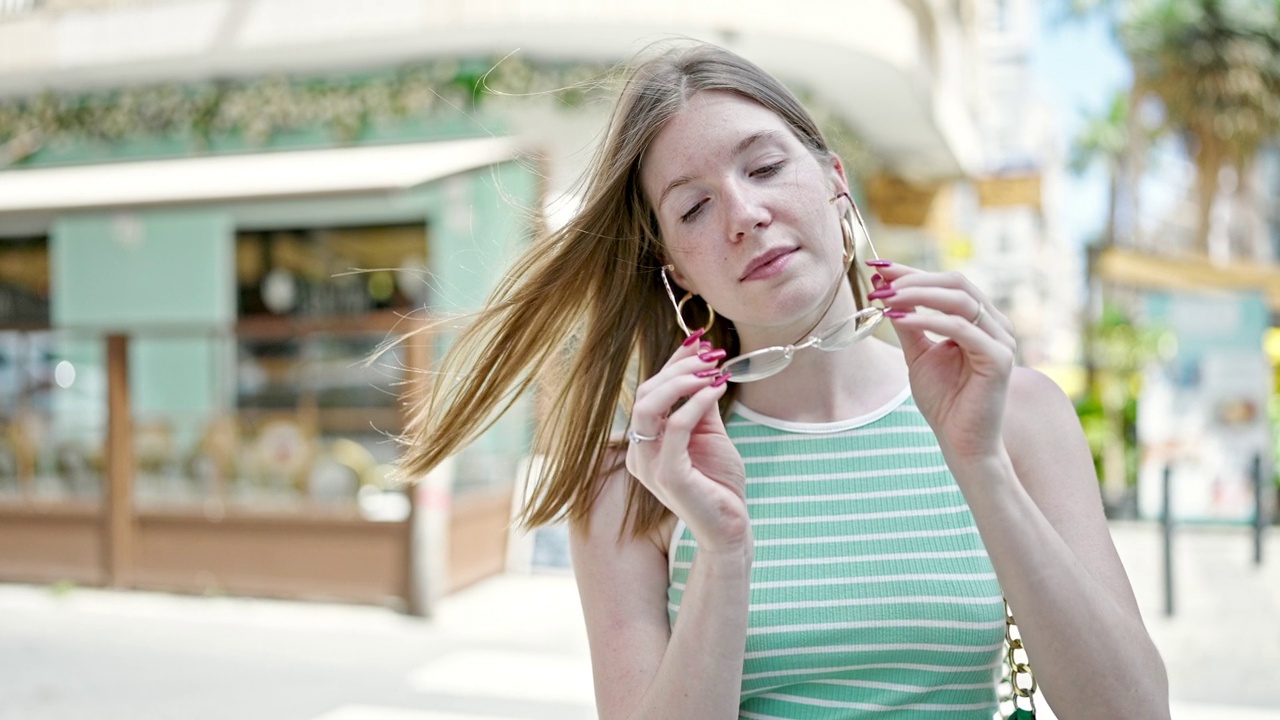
x=258 y=109
x=1109 y=410
x=1104 y=138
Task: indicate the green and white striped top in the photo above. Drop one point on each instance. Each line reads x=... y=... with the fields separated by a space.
x=872 y=595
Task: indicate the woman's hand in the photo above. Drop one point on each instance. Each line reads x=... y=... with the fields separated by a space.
x=960 y=382
x=692 y=468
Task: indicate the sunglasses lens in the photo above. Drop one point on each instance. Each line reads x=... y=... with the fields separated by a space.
x=758 y=365
x=853 y=329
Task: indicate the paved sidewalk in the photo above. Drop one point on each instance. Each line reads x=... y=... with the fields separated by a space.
x=1221 y=646
x=513 y=648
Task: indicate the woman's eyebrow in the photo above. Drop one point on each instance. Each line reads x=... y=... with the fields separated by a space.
x=740 y=148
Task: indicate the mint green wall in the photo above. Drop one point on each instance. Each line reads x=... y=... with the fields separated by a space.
x=477 y=224
x=153 y=268
x=167 y=277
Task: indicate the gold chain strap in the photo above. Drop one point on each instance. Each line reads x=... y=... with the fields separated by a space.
x=1018 y=665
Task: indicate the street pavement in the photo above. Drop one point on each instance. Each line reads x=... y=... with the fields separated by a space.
x=513 y=647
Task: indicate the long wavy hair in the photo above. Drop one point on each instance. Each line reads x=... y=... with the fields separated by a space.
x=583 y=314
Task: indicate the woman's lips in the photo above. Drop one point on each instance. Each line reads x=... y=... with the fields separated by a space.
x=774 y=263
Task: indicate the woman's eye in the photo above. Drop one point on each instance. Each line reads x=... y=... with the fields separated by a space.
x=693 y=213
x=768 y=170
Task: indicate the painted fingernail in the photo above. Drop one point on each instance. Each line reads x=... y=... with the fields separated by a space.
x=882 y=293
x=693 y=337
x=712 y=356
x=722 y=379
x=707 y=373
x=879 y=263
x=895 y=314
x=876 y=279
x=705 y=346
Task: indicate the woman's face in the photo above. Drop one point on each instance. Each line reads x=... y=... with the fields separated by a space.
x=744 y=211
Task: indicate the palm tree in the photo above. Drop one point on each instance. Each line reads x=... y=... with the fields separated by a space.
x=1215 y=66
x=1105 y=139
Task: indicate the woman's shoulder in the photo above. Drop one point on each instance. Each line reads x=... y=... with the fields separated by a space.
x=1036 y=411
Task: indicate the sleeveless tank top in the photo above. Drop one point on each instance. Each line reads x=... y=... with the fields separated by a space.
x=872 y=595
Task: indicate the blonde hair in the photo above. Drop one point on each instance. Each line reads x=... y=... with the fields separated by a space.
x=583 y=312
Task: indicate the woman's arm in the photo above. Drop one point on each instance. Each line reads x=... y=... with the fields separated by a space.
x=1015 y=447
x=1040 y=515
x=642 y=669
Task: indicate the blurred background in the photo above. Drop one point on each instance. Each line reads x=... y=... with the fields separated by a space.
x=214 y=213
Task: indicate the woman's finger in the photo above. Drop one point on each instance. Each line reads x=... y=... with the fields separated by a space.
x=976 y=342
x=902 y=276
x=947 y=300
x=701 y=405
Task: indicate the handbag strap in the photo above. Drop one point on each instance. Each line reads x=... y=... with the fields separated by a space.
x=1018 y=667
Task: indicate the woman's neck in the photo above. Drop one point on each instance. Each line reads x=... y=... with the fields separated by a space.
x=830 y=386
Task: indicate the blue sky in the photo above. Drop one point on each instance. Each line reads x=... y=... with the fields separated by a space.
x=1078 y=67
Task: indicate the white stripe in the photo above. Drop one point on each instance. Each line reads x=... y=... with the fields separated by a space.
x=853 y=475
x=855 y=602
x=844 y=455
x=876 y=494
x=872 y=579
x=759 y=716
x=873 y=624
x=856 y=538
x=805 y=561
x=849 y=517
x=872 y=647
x=905 y=688
x=800 y=562
x=874 y=666
x=875 y=707
x=854 y=433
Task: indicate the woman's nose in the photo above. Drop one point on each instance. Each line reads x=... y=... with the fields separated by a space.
x=748 y=213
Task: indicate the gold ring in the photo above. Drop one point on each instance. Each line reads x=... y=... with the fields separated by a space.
x=982 y=310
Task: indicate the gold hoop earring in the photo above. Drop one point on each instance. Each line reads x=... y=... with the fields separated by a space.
x=679 y=306
x=680 y=315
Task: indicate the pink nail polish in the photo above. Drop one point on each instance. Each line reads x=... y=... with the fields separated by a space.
x=895 y=314
x=876 y=279
x=882 y=293
x=722 y=379
x=693 y=337
x=705 y=346
x=879 y=263
x=712 y=356
x=707 y=373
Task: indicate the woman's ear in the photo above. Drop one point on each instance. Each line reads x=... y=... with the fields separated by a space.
x=838 y=175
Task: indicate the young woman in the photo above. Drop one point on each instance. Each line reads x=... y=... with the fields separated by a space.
x=802 y=521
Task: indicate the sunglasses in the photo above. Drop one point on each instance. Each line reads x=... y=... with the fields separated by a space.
x=767 y=362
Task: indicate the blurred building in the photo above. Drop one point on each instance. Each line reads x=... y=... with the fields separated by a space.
x=212 y=211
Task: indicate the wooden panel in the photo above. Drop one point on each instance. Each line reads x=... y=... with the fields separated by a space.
x=314 y=557
x=1009 y=191
x=1190 y=273
x=897 y=202
x=118 y=545
x=51 y=543
x=478 y=536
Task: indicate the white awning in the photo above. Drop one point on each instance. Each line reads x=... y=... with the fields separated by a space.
x=259 y=176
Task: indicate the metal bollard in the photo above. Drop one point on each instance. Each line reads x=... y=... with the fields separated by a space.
x=1259 y=518
x=1166 y=522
